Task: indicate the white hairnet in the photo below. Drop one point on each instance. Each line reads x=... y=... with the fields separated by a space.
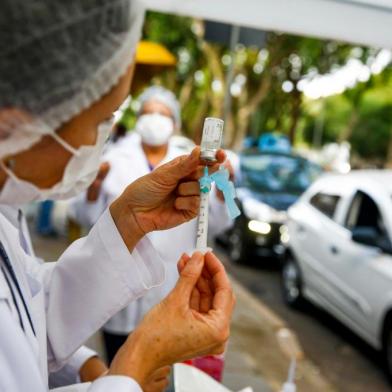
x=165 y=96
x=57 y=57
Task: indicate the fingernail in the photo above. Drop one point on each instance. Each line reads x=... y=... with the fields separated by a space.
x=198 y=256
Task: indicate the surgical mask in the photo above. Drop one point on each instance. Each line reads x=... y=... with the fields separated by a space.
x=79 y=173
x=155 y=129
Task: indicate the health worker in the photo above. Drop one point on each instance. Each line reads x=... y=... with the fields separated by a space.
x=65 y=68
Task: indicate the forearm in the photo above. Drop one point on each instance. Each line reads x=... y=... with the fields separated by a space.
x=133 y=359
x=95 y=278
x=92 y=369
x=126 y=224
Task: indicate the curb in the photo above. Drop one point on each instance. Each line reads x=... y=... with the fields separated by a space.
x=280 y=344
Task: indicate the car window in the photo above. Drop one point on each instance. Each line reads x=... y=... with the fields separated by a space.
x=364 y=212
x=325 y=203
x=274 y=173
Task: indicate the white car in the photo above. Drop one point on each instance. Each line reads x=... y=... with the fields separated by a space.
x=339 y=254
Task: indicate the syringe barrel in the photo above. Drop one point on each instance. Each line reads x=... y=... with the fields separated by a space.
x=202 y=226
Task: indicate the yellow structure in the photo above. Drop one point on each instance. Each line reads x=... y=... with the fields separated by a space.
x=151 y=59
x=151 y=53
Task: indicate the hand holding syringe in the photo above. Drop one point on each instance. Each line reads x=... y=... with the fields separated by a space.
x=211 y=142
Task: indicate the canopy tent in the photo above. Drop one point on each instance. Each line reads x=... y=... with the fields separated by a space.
x=151 y=53
x=365 y=22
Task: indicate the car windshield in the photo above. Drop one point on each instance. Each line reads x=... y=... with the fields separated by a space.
x=277 y=173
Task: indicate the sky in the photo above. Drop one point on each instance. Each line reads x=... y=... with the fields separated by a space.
x=315 y=87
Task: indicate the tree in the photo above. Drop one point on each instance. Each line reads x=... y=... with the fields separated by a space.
x=266 y=90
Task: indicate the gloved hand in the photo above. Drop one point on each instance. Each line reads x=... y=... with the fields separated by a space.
x=193 y=320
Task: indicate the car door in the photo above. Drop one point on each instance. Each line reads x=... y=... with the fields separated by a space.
x=362 y=272
x=312 y=227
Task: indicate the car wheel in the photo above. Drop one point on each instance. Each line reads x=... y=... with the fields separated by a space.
x=291 y=283
x=388 y=349
x=238 y=250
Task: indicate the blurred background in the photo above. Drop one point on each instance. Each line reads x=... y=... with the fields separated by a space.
x=313 y=91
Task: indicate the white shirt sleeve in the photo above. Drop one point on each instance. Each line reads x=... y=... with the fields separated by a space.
x=79 y=358
x=86 y=213
x=104 y=384
x=93 y=279
x=70 y=372
x=14 y=349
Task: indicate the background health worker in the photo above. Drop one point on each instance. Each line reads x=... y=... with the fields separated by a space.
x=133 y=156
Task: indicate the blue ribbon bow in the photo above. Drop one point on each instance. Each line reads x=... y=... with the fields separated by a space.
x=222 y=182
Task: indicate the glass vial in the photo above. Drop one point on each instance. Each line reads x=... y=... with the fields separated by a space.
x=212 y=138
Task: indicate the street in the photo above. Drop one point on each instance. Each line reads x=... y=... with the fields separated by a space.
x=344 y=359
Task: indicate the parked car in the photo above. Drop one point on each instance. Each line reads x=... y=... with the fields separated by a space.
x=269 y=183
x=339 y=253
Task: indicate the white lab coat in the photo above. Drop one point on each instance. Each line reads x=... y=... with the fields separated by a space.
x=69 y=373
x=68 y=301
x=127 y=163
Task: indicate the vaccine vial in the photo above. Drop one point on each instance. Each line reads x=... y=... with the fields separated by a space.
x=212 y=138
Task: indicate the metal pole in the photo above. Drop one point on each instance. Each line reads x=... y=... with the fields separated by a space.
x=319 y=128
x=234 y=39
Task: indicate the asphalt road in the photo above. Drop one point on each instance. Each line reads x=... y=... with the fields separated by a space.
x=343 y=358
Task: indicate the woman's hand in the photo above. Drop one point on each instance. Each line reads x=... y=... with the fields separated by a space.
x=193 y=320
x=165 y=198
x=158 y=381
x=94 y=189
x=92 y=369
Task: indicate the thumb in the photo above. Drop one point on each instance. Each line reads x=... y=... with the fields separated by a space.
x=182 y=166
x=189 y=276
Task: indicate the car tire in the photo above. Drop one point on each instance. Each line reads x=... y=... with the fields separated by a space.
x=292 y=283
x=239 y=251
x=387 y=348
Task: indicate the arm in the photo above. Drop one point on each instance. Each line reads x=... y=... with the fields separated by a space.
x=93 y=279
x=100 y=274
x=193 y=320
x=84 y=365
x=87 y=207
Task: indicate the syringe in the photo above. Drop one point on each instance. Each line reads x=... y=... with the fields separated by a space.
x=202 y=226
x=210 y=143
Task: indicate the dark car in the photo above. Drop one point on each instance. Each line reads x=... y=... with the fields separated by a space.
x=269 y=184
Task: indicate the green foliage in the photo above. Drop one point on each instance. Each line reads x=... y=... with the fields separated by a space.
x=371 y=135
x=260 y=103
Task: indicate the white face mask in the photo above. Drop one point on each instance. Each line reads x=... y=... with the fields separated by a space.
x=155 y=129
x=79 y=173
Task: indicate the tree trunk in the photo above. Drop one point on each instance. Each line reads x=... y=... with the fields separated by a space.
x=245 y=112
x=389 y=153
x=348 y=131
x=295 y=115
x=184 y=94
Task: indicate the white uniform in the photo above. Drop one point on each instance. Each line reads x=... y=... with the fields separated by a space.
x=127 y=163
x=69 y=373
x=67 y=302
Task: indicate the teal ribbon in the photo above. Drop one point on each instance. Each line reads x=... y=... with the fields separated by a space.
x=222 y=182
x=205 y=181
